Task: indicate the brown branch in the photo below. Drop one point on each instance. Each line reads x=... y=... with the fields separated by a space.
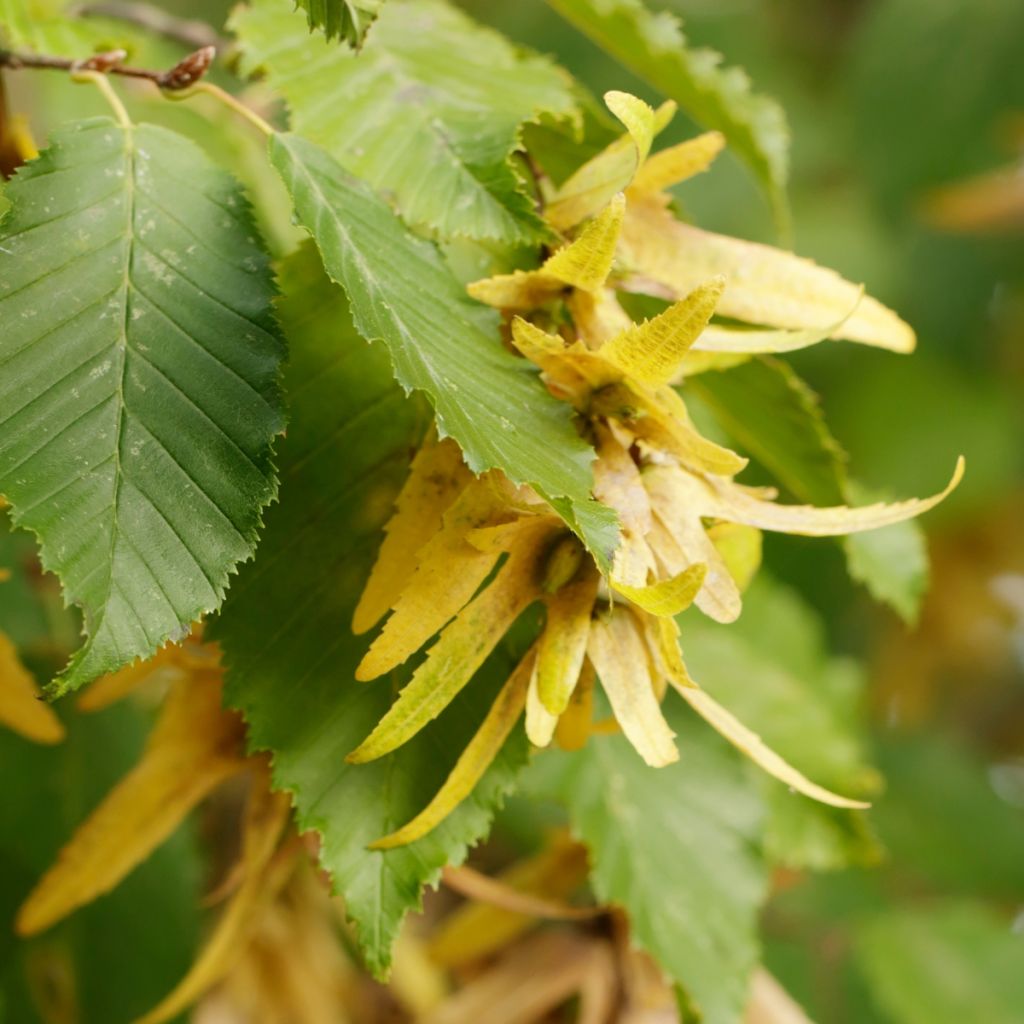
x=184 y=74
x=182 y=30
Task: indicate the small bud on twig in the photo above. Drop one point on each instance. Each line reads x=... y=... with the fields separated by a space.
x=188 y=71
x=104 y=63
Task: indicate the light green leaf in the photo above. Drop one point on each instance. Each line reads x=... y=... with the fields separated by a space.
x=290 y=653
x=140 y=388
x=55 y=27
x=344 y=19
x=772 y=670
x=944 y=964
x=772 y=415
x=892 y=562
x=653 y=46
x=675 y=847
x=429 y=112
x=441 y=341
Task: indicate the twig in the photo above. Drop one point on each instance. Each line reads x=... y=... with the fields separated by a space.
x=182 y=30
x=183 y=75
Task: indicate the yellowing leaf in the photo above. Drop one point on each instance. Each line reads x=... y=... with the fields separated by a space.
x=266 y=817
x=666 y=598
x=477 y=930
x=540 y=723
x=740 y=548
x=763 y=285
x=474 y=760
x=448 y=572
x=680 y=540
x=597 y=316
x=563 y=644
x=21 y=705
x=611 y=171
x=583 y=264
x=728 y=501
x=677 y=163
x=111 y=688
x=662 y=420
x=462 y=647
x=652 y=352
x=436 y=478
x=617 y=652
x=754 y=747
x=573 y=729
x=194 y=747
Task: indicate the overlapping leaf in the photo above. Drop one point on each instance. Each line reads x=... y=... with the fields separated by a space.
x=139 y=391
x=675 y=847
x=285 y=632
x=804 y=704
x=344 y=19
x=775 y=417
x=441 y=341
x=429 y=111
x=654 y=47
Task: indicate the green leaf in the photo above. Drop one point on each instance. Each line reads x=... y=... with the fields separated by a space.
x=945 y=964
x=140 y=388
x=675 y=847
x=772 y=670
x=441 y=341
x=344 y=19
x=429 y=111
x=892 y=562
x=934 y=780
x=653 y=46
x=286 y=630
x=57 y=27
x=770 y=412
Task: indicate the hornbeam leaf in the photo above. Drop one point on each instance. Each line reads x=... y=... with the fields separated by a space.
x=429 y=111
x=290 y=654
x=139 y=387
x=676 y=848
x=775 y=417
x=654 y=47
x=344 y=19
x=441 y=341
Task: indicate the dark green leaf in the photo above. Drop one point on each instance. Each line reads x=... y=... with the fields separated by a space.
x=441 y=341
x=140 y=388
x=286 y=631
x=344 y=19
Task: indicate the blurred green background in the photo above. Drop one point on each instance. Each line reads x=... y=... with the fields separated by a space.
x=891 y=104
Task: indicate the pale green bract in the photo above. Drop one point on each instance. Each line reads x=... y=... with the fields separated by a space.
x=653 y=46
x=442 y=342
x=429 y=112
x=285 y=628
x=345 y=19
x=138 y=404
x=676 y=846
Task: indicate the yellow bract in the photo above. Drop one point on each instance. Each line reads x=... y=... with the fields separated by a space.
x=21 y=704
x=688 y=532
x=193 y=748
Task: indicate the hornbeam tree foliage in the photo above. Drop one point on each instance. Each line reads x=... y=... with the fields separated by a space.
x=382 y=415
